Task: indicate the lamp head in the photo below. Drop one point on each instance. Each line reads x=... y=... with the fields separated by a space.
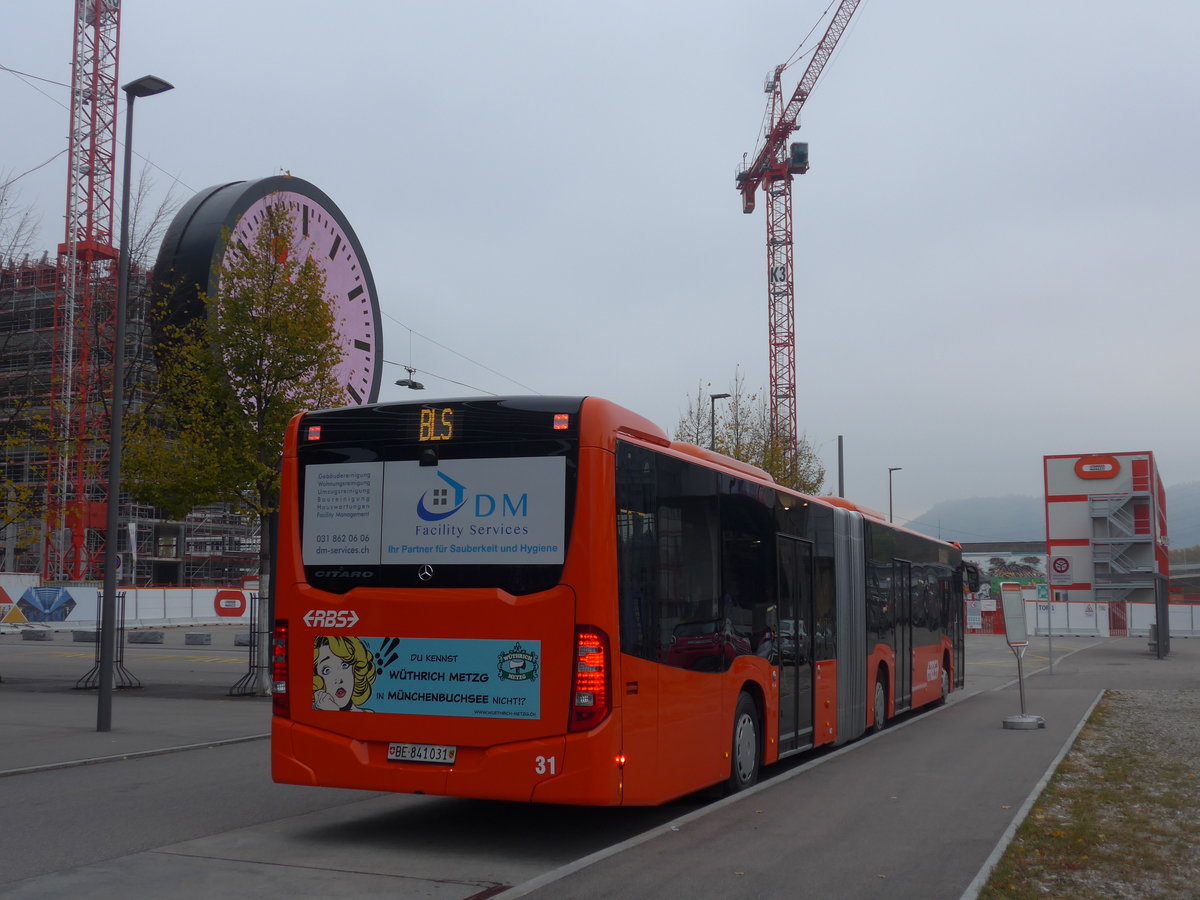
x=146 y=86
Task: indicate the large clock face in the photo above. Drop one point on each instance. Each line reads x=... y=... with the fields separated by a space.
x=195 y=245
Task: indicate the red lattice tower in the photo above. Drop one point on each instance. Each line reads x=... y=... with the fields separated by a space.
x=84 y=325
x=773 y=168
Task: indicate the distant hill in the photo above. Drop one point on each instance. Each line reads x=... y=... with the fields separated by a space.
x=983 y=519
x=1183 y=515
x=1014 y=518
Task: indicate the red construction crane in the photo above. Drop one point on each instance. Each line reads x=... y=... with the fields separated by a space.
x=773 y=168
x=84 y=308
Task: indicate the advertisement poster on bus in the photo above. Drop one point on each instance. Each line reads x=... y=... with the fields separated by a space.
x=471 y=511
x=496 y=679
x=465 y=512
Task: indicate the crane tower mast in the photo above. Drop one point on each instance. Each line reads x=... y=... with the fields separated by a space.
x=84 y=311
x=773 y=168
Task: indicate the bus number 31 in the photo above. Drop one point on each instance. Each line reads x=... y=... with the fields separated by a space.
x=545 y=765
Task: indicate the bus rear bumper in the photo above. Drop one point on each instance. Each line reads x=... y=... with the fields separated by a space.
x=572 y=769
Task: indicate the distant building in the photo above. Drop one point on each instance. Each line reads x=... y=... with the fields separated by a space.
x=212 y=546
x=1106 y=535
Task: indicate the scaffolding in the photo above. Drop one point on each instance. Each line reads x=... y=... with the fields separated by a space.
x=211 y=546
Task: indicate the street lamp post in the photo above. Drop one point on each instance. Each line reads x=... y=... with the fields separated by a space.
x=712 y=419
x=145 y=86
x=891 y=469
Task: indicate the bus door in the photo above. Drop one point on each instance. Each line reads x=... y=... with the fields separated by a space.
x=794 y=643
x=902 y=605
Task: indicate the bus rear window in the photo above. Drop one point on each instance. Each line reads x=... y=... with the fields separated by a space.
x=454 y=494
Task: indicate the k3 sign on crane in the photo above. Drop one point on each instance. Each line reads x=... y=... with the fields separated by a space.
x=773 y=168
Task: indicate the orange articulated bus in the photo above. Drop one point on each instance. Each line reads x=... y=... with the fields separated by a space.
x=545 y=599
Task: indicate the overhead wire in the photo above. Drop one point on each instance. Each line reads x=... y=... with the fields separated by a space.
x=175 y=179
x=414 y=369
x=22 y=76
x=31 y=75
x=474 y=362
x=17 y=178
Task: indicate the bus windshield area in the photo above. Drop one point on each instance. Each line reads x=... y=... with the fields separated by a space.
x=453 y=494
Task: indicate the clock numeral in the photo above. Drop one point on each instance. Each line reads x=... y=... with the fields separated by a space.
x=337 y=242
x=363 y=346
x=355 y=394
x=304 y=228
x=353 y=295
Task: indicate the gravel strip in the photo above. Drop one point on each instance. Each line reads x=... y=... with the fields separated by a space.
x=1121 y=816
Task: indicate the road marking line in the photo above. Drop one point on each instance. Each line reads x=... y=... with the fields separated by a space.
x=135 y=754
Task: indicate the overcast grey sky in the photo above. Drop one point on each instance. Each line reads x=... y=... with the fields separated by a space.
x=995 y=247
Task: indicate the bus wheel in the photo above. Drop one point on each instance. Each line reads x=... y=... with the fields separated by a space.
x=945 y=682
x=879 y=718
x=743 y=769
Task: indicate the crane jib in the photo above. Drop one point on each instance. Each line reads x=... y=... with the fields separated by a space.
x=785 y=123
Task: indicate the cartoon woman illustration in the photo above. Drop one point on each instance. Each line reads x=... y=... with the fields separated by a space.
x=343 y=673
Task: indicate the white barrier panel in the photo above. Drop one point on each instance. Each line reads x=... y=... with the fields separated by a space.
x=179 y=605
x=145 y=606
x=15 y=584
x=1184 y=620
x=202 y=605
x=1079 y=617
x=87 y=605
x=76 y=606
x=1141 y=617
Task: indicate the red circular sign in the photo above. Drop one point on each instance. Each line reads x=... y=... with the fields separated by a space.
x=231 y=604
x=1062 y=565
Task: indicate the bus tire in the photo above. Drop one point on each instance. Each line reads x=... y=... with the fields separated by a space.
x=946 y=686
x=745 y=753
x=879 y=714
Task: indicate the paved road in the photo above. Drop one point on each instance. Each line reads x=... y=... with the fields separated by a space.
x=913 y=812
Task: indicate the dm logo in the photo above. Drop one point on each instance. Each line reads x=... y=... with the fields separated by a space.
x=442 y=502
x=445 y=500
x=517 y=664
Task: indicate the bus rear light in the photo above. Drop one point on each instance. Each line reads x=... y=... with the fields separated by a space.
x=280 y=704
x=591 y=689
x=562 y=421
x=313 y=433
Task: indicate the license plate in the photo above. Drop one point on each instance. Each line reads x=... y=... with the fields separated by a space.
x=431 y=753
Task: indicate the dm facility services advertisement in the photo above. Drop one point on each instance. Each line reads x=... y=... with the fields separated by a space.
x=466 y=511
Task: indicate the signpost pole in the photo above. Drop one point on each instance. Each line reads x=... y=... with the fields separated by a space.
x=1013 y=605
x=1050 y=628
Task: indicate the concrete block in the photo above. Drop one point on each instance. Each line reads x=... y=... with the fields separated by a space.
x=146 y=637
x=39 y=635
x=241 y=640
x=85 y=637
x=197 y=638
